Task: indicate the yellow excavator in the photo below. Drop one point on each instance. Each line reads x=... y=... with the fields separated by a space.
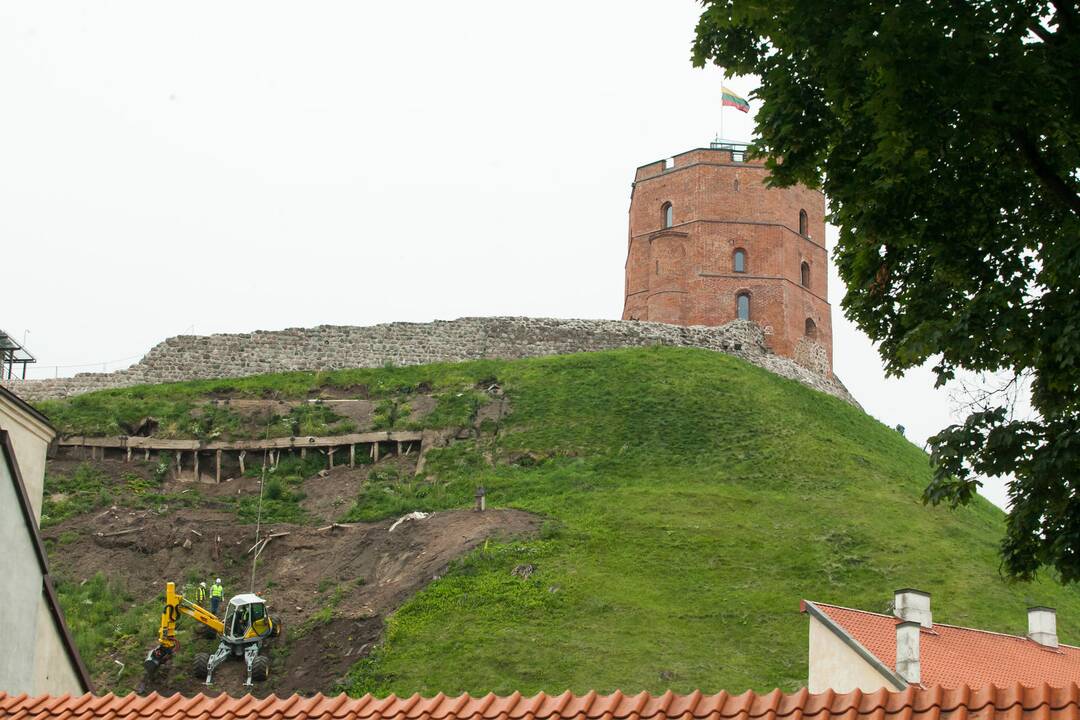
x=244 y=633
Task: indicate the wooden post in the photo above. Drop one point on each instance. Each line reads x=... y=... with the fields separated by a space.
x=179 y=466
x=217 y=473
x=399 y=448
x=330 y=456
x=128 y=455
x=375 y=451
x=195 y=464
x=303 y=453
x=146 y=454
x=352 y=455
x=242 y=454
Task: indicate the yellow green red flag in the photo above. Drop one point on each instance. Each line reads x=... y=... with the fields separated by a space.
x=731 y=99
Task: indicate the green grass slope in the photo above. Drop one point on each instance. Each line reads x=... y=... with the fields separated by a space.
x=693 y=500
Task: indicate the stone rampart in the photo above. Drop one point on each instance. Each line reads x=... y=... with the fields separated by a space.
x=331 y=347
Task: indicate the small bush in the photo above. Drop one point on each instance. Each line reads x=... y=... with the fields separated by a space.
x=275 y=489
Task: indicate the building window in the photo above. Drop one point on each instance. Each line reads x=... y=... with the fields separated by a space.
x=804 y=224
x=738 y=260
x=742 y=305
x=811 y=329
x=806 y=274
x=668 y=215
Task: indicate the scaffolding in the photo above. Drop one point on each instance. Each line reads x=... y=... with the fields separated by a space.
x=12 y=353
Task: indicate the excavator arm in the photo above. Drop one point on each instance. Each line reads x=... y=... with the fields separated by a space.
x=175 y=606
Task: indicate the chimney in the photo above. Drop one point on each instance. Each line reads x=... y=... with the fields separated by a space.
x=907 y=651
x=913 y=605
x=1042 y=626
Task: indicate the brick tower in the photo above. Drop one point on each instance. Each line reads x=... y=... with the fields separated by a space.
x=710 y=243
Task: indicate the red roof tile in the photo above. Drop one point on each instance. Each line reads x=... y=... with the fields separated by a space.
x=1015 y=702
x=954 y=656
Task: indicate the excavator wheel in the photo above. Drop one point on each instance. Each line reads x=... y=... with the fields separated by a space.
x=199 y=666
x=260 y=668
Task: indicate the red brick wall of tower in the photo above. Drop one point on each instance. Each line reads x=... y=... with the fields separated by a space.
x=685 y=274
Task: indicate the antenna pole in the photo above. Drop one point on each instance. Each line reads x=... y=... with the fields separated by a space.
x=258 y=517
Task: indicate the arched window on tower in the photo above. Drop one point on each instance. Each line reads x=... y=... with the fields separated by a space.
x=738 y=260
x=805 y=274
x=804 y=224
x=667 y=215
x=811 y=329
x=742 y=305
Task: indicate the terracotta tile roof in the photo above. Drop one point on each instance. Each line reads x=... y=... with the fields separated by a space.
x=954 y=656
x=987 y=703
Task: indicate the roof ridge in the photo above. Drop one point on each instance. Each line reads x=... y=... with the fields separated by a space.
x=851 y=609
x=937 y=624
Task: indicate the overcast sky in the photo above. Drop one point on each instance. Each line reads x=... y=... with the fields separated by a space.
x=198 y=167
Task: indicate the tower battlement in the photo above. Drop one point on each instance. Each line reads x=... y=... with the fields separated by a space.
x=709 y=243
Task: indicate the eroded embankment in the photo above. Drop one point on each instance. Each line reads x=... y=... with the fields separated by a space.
x=331 y=585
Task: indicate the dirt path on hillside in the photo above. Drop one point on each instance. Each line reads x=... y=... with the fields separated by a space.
x=362 y=572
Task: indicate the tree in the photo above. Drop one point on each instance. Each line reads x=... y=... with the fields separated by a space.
x=946 y=136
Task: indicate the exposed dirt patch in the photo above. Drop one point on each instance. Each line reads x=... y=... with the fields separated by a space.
x=257 y=410
x=420 y=407
x=495 y=411
x=340 y=393
x=329 y=497
x=359 y=411
x=361 y=571
x=114 y=467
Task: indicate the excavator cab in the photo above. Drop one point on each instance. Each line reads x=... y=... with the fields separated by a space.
x=246 y=620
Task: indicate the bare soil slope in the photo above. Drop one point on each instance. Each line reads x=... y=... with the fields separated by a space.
x=361 y=572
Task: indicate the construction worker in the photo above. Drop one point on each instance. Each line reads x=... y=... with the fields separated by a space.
x=201 y=594
x=217 y=594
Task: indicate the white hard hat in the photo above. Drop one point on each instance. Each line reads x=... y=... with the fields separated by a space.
x=218 y=581
x=203 y=584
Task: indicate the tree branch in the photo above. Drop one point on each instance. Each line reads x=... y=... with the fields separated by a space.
x=1059 y=189
x=1036 y=27
x=1066 y=16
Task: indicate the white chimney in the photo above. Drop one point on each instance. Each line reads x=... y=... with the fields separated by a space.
x=907 y=651
x=1042 y=626
x=911 y=604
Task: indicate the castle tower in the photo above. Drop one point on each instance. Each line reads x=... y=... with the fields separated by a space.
x=710 y=243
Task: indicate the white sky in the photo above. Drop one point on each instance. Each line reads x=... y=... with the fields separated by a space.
x=171 y=168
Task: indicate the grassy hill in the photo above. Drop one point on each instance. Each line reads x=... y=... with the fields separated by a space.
x=691 y=500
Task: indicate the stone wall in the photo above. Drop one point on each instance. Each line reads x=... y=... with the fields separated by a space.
x=329 y=347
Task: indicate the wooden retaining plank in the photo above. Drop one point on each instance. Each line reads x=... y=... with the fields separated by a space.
x=282 y=443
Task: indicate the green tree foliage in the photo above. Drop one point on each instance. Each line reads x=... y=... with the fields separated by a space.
x=946 y=136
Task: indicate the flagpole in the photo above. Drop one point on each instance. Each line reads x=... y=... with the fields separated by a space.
x=724 y=80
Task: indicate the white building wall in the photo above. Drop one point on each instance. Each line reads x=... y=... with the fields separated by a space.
x=20 y=591
x=834 y=665
x=53 y=672
x=31 y=439
x=34 y=658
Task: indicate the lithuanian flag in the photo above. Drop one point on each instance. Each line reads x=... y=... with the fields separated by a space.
x=733 y=100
